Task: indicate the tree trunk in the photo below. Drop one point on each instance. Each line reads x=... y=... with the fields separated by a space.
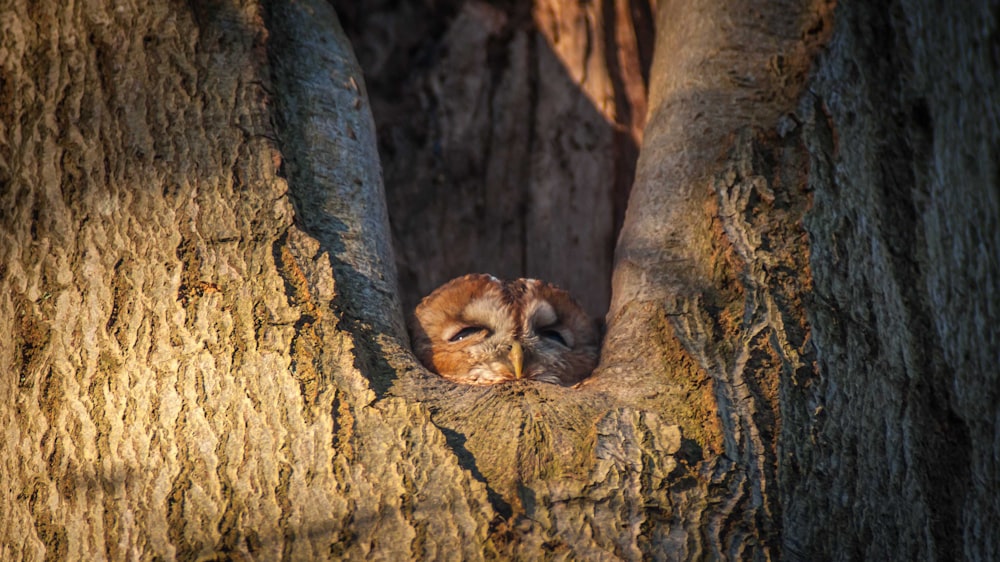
x=208 y=357
x=891 y=448
x=191 y=373
x=509 y=134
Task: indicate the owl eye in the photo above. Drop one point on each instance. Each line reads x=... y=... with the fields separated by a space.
x=553 y=335
x=466 y=332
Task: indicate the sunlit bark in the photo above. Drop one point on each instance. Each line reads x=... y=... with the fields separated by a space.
x=207 y=357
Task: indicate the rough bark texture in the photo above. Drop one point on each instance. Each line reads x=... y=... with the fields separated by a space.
x=508 y=132
x=894 y=443
x=207 y=357
x=195 y=374
x=183 y=381
x=857 y=388
x=711 y=264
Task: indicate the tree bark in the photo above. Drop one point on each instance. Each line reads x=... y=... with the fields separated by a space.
x=509 y=133
x=186 y=377
x=709 y=267
x=895 y=443
x=207 y=356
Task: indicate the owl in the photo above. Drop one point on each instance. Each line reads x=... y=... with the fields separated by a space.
x=480 y=330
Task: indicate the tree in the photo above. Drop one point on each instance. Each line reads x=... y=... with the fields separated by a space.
x=208 y=356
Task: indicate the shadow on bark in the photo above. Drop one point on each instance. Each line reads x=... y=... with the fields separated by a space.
x=328 y=138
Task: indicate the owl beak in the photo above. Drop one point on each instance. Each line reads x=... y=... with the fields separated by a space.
x=516 y=357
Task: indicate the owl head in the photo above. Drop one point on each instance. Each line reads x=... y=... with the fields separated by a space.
x=480 y=330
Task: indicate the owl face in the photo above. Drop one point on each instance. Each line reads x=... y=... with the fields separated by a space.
x=480 y=330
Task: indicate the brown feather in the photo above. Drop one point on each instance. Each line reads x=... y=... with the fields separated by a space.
x=560 y=342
